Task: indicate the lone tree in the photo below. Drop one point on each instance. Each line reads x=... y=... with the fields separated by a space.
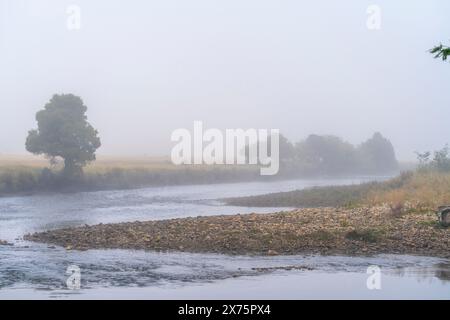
x=63 y=131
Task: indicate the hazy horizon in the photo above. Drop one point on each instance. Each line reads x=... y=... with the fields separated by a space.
x=146 y=68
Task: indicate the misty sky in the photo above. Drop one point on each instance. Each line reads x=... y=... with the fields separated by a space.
x=146 y=68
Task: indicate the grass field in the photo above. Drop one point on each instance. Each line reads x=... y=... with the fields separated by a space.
x=102 y=162
x=101 y=165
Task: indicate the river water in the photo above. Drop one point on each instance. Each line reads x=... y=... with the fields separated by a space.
x=37 y=271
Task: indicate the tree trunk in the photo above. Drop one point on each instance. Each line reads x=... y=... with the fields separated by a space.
x=71 y=169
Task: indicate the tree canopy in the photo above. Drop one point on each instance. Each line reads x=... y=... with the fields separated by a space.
x=63 y=131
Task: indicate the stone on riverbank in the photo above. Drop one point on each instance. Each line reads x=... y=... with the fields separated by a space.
x=5 y=243
x=356 y=231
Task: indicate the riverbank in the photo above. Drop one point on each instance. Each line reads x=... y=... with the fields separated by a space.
x=421 y=190
x=24 y=176
x=326 y=231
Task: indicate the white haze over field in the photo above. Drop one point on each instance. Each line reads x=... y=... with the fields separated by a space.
x=146 y=68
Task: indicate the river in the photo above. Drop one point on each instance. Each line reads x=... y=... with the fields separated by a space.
x=37 y=271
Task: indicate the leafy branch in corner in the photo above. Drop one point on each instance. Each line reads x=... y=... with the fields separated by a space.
x=441 y=51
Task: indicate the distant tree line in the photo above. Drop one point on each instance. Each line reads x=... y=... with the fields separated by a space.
x=331 y=156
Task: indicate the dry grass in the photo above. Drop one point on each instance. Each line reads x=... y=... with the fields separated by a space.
x=22 y=160
x=422 y=191
x=103 y=164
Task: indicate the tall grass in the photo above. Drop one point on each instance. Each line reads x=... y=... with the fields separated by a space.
x=19 y=179
x=28 y=175
x=422 y=190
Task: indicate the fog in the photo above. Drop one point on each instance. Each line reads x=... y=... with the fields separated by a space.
x=146 y=68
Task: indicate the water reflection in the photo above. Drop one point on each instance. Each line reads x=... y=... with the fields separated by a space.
x=439 y=271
